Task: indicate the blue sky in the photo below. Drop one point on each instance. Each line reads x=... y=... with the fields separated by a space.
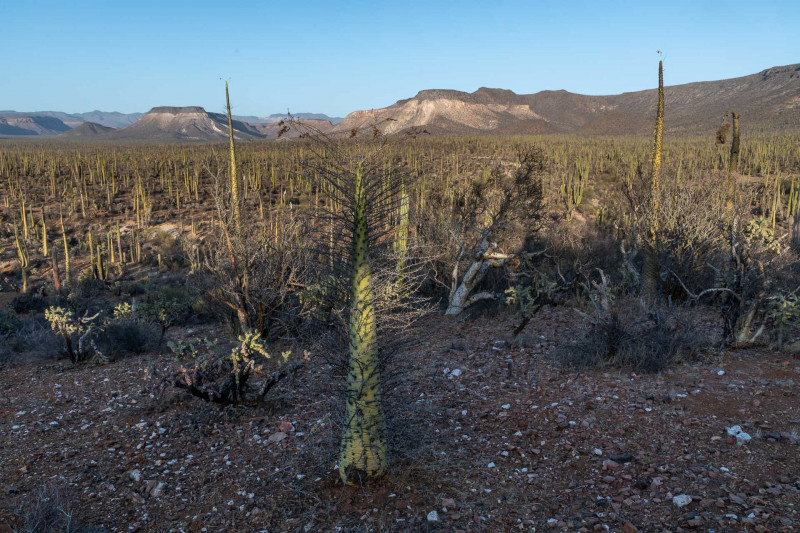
x=336 y=56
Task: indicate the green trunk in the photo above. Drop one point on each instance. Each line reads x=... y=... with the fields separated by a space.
x=363 y=449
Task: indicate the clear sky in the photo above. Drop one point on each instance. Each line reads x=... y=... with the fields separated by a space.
x=337 y=56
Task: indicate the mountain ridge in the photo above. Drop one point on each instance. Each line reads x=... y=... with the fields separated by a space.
x=769 y=99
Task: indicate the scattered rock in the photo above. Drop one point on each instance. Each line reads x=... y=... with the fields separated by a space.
x=433 y=516
x=277 y=437
x=158 y=490
x=622 y=458
x=629 y=528
x=682 y=500
x=739 y=434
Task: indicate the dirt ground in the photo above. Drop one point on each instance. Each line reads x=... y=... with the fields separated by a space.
x=489 y=435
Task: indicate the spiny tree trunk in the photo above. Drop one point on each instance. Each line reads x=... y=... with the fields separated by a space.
x=796 y=224
x=241 y=304
x=733 y=164
x=237 y=217
x=650 y=273
x=363 y=454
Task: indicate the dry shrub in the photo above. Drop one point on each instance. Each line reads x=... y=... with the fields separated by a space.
x=52 y=510
x=127 y=335
x=650 y=342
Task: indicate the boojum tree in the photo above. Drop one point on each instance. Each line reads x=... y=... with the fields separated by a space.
x=363 y=453
x=650 y=273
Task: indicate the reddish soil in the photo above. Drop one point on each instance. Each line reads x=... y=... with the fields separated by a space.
x=510 y=441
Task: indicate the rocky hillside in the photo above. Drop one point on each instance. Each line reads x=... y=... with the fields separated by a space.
x=87 y=130
x=767 y=100
x=183 y=124
x=20 y=124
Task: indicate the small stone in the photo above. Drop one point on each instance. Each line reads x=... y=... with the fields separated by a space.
x=158 y=490
x=135 y=475
x=277 y=437
x=608 y=464
x=448 y=503
x=682 y=500
x=622 y=458
x=433 y=516
x=286 y=426
x=629 y=528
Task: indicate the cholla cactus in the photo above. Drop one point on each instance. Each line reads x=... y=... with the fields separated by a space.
x=63 y=322
x=122 y=310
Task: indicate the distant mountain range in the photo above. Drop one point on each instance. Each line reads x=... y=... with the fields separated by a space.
x=111 y=119
x=767 y=101
x=159 y=124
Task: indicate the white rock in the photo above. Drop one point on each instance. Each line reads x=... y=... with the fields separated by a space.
x=158 y=490
x=506 y=406
x=490 y=465
x=456 y=372
x=741 y=436
x=682 y=500
x=433 y=516
x=135 y=475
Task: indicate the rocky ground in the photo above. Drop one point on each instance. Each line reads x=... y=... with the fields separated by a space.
x=490 y=435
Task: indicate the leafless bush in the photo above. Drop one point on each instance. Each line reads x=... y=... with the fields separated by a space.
x=34 y=337
x=255 y=274
x=650 y=343
x=128 y=335
x=52 y=510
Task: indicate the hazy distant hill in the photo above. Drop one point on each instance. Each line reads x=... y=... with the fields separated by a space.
x=277 y=117
x=87 y=130
x=23 y=124
x=768 y=100
x=293 y=130
x=110 y=119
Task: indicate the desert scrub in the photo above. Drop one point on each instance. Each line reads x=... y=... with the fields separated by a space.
x=125 y=334
x=244 y=375
x=646 y=342
x=167 y=306
x=9 y=322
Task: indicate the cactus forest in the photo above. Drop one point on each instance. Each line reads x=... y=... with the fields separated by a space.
x=367 y=329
